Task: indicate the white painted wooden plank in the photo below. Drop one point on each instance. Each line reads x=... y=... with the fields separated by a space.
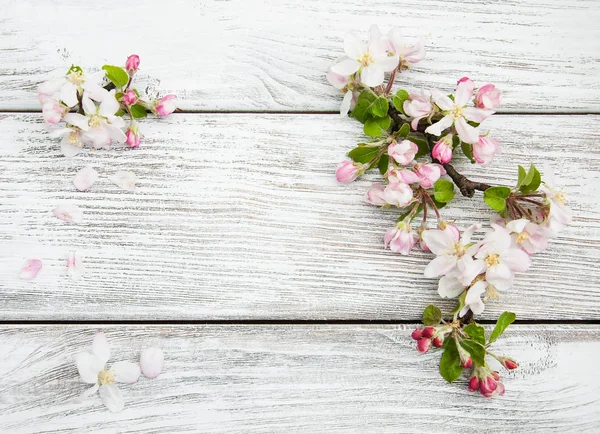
x=285 y=378
x=263 y=55
x=240 y=216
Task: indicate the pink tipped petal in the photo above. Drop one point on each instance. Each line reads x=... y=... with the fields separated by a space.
x=124 y=179
x=516 y=259
x=346 y=67
x=75 y=267
x=69 y=213
x=85 y=178
x=476 y=114
x=439 y=242
x=31 y=269
x=439 y=266
x=126 y=372
x=100 y=347
x=336 y=80
x=463 y=93
x=112 y=397
x=466 y=132
x=152 y=362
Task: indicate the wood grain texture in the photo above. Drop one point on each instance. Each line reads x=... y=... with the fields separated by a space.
x=299 y=379
x=240 y=217
x=266 y=55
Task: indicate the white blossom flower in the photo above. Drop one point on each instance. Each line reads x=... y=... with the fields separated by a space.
x=448 y=247
x=528 y=236
x=408 y=54
x=67 y=89
x=559 y=215
x=93 y=370
x=342 y=82
x=370 y=60
x=473 y=300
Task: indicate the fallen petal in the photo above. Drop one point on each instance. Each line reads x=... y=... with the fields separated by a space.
x=125 y=180
x=85 y=178
x=69 y=213
x=152 y=362
x=75 y=266
x=31 y=269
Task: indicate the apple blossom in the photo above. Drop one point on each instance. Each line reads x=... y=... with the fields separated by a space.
x=442 y=151
x=132 y=63
x=485 y=149
x=348 y=171
x=398 y=194
x=133 y=137
x=488 y=97
x=403 y=152
x=130 y=97
x=375 y=195
x=164 y=106
x=400 y=238
x=457 y=113
x=93 y=370
x=428 y=173
x=559 y=215
x=528 y=236
x=343 y=83
x=53 y=111
x=448 y=246
x=417 y=107
x=407 y=54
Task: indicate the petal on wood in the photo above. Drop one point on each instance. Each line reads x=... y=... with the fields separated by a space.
x=85 y=178
x=69 y=213
x=152 y=362
x=31 y=269
x=75 y=267
x=124 y=179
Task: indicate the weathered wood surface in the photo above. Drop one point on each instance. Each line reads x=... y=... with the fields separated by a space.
x=264 y=55
x=240 y=216
x=297 y=378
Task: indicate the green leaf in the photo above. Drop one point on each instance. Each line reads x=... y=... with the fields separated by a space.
x=117 y=75
x=461 y=303
x=138 y=111
x=450 y=366
x=475 y=332
x=432 y=315
x=468 y=151
x=532 y=181
x=421 y=142
x=522 y=175
x=443 y=191
x=380 y=107
x=74 y=69
x=120 y=112
x=364 y=154
x=383 y=164
x=398 y=100
x=506 y=319
x=362 y=110
x=372 y=128
x=405 y=214
x=404 y=130
x=455 y=142
x=476 y=351
x=495 y=197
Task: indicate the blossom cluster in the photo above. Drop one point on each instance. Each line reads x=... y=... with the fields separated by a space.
x=414 y=138
x=92 y=108
x=93 y=370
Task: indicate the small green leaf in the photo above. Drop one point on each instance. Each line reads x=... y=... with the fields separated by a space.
x=476 y=350
x=450 y=365
x=506 y=319
x=532 y=181
x=421 y=142
x=362 y=110
x=384 y=122
x=522 y=175
x=495 y=197
x=138 y=111
x=398 y=100
x=120 y=112
x=461 y=303
x=372 y=128
x=74 y=69
x=383 y=164
x=443 y=191
x=468 y=151
x=117 y=75
x=363 y=154
x=432 y=315
x=404 y=130
x=380 y=107
x=475 y=332
x=119 y=95
x=455 y=142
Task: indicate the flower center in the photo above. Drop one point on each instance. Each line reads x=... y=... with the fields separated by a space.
x=561 y=197
x=523 y=236
x=76 y=78
x=457 y=112
x=106 y=376
x=366 y=59
x=491 y=260
x=491 y=294
x=95 y=121
x=74 y=139
x=459 y=249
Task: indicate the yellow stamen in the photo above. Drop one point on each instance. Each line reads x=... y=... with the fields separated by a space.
x=456 y=112
x=523 y=236
x=95 y=121
x=491 y=294
x=491 y=260
x=366 y=59
x=106 y=376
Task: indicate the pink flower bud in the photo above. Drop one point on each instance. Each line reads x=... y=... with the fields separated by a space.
x=467 y=363
x=471 y=85
x=438 y=342
x=509 y=364
x=428 y=173
x=375 y=195
x=485 y=149
x=165 y=105
x=348 y=171
x=400 y=238
x=450 y=228
x=488 y=385
x=403 y=152
x=473 y=384
x=52 y=112
x=442 y=150
x=129 y=97
x=428 y=332
x=132 y=63
x=132 y=137
x=423 y=345
x=417 y=334
x=496 y=375
x=488 y=97
x=398 y=194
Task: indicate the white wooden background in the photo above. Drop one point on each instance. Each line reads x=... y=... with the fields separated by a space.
x=238 y=217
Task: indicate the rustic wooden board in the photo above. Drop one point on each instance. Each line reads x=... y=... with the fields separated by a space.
x=279 y=378
x=240 y=216
x=262 y=55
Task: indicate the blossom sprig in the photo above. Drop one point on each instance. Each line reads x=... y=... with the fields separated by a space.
x=414 y=137
x=465 y=346
x=98 y=109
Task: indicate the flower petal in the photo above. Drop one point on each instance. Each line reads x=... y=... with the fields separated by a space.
x=109 y=106
x=126 y=372
x=438 y=241
x=125 y=180
x=85 y=178
x=500 y=276
x=437 y=128
x=354 y=47
x=516 y=260
x=463 y=93
x=152 y=362
x=346 y=103
x=466 y=132
x=75 y=267
x=372 y=75
x=31 y=269
x=517 y=226
x=89 y=107
x=442 y=101
x=69 y=150
x=336 y=80
x=115 y=133
x=473 y=297
x=68 y=94
x=112 y=397
x=78 y=120
x=450 y=287
x=69 y=213
x=346 y=67
x=88 y=366
x=440 y=265
x=476 y=114
x=100 y=347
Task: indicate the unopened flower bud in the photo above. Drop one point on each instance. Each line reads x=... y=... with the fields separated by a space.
x=165 y=105
x=375 y=195
x=132 y=63
x=129 y=97
x=509 y=364
x=348 y=171
x=132 y=137
x=423 y=345
x=438 y=342
x=467 y=363
x=442 y=150
x=473 y=384
x=417 y=334
x=496 y=375
x=428 y=332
